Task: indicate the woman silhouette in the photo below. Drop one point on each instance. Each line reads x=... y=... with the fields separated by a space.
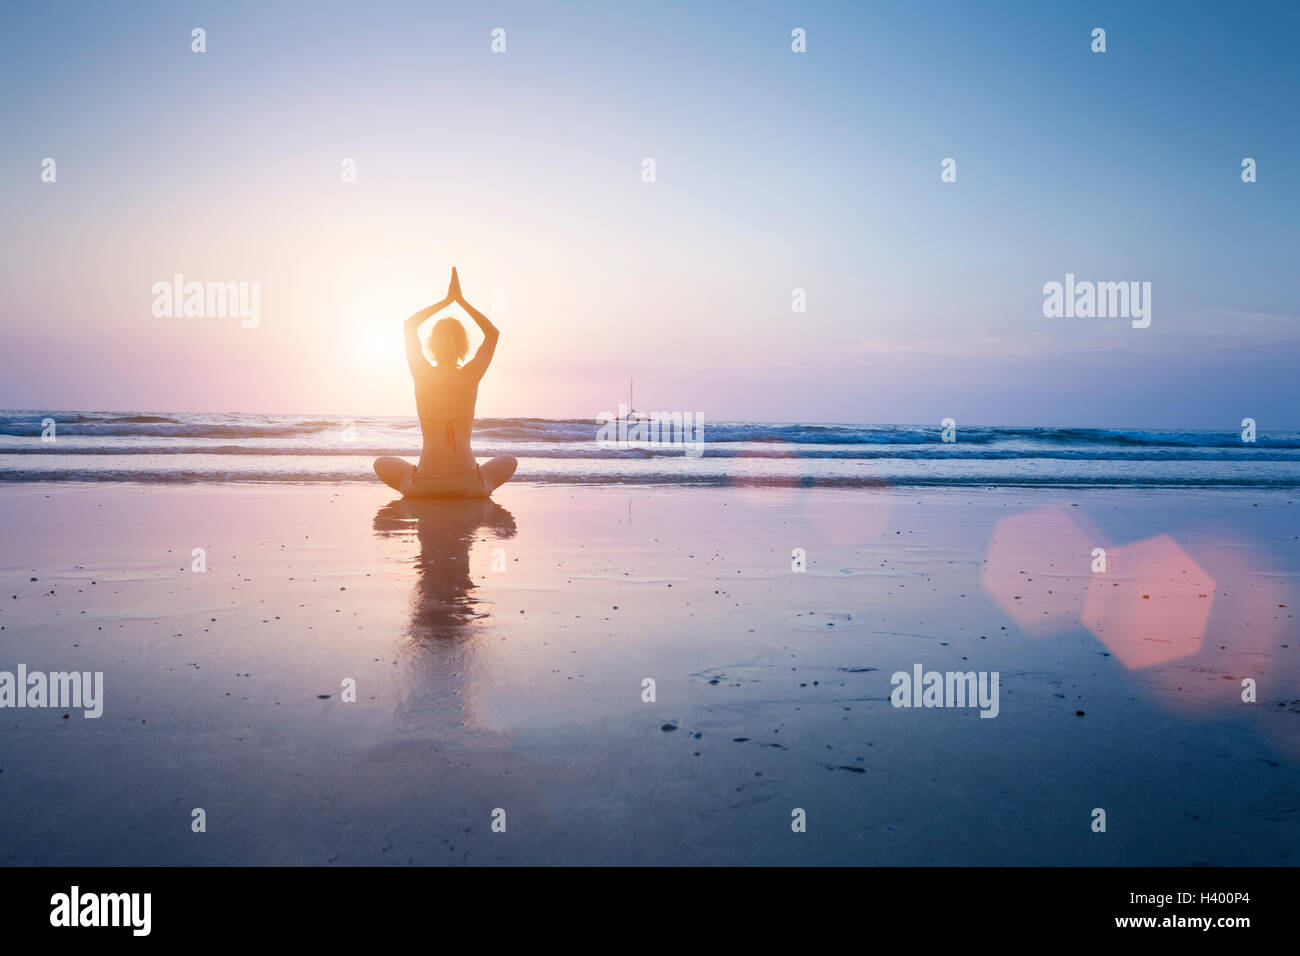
x=445 y=393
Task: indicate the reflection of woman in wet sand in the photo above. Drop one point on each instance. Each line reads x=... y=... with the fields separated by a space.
x=445 y=393
x=438 y=695
x=442 y=604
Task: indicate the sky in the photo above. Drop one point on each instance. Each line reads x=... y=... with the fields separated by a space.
x=773 y=171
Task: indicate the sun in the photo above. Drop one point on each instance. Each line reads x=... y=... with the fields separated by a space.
x=376 y=348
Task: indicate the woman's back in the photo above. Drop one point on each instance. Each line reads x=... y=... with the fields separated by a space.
x=444 y=401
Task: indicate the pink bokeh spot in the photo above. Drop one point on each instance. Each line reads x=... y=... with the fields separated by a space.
x=1152 y=603
x=1038 y=568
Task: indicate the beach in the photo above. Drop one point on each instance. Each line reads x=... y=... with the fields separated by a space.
x=500 y=654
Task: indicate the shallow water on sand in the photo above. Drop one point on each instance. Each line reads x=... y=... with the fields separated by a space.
x=500 y=653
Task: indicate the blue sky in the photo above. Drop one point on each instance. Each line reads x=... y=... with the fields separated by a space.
x=775 y=170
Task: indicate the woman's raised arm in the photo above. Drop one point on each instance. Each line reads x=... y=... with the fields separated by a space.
x=415 y=359
x=483 y=357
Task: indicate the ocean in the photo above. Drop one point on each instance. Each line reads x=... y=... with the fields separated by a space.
x=159 y=447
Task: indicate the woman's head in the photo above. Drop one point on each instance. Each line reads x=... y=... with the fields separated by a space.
x=448 y=342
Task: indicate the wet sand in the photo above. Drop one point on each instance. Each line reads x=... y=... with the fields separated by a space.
x=499 y=654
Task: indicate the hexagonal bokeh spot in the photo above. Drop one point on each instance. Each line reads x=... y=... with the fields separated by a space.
x=1152 y=603
x=1038 y=567
x=1253 y=618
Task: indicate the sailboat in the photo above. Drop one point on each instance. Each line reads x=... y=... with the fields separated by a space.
x=631 y=413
